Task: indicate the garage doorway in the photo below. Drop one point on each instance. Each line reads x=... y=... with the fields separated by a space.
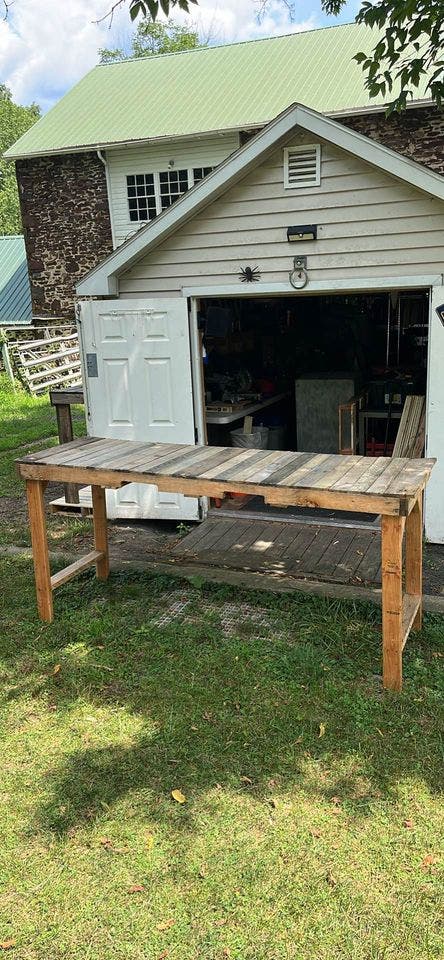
x=325 y=373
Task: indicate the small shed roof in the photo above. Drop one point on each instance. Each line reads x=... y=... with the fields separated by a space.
x=240 y=85
x=15 y=293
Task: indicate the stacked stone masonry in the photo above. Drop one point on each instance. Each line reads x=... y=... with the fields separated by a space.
x=66 y=224
x=65 y=209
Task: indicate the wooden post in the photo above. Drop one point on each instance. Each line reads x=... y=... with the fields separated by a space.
x=7 y=363
x=413 y=558
x=392 y=630
x=66 y=434
x=100 y=531
x=42 y=572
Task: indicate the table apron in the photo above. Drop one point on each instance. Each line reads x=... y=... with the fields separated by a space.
x=394 y=506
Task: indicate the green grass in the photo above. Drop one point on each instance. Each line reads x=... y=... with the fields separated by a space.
x=312 y=827
x=24 y=420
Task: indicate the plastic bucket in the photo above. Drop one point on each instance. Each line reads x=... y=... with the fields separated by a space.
x=257 y=440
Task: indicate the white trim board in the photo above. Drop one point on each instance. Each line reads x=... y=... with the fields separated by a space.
x=102 y=280
x=314 y=287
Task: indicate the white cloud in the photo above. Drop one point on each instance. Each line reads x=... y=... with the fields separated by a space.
x=46 y=46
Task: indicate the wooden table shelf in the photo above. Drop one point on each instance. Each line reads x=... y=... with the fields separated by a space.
x=391 y=487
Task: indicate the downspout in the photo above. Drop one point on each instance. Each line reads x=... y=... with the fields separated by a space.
x=102 y=158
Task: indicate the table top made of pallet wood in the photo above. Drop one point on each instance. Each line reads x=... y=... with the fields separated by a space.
x=384 y=485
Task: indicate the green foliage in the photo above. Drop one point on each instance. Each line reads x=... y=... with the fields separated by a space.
x=14 y=121
x=153 y=38
x=151 y=8
x=410 y=47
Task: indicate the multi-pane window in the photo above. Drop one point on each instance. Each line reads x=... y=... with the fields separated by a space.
x=150 y=193
x=172 y=184
x=141 y=196
x=200 y=172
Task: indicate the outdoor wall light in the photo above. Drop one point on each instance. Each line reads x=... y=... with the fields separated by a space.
x=308 y=231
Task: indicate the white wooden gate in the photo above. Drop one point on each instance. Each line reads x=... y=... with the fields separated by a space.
x=137 y=378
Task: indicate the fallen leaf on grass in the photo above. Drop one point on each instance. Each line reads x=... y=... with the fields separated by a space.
x=136 y=888
x=105 y=842
x=428 y=861
x=408 y=824
x=7 y=944
x=57 y=669
x=178 y=796
x=321 y=730
x=336 y=801
x=165 y=925
x=162 y=955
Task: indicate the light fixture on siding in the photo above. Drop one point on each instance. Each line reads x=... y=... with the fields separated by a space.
x=307 y=231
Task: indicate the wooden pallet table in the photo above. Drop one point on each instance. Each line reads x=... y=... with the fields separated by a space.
x=391 y=487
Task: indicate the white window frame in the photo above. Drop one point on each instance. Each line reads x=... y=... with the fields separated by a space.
x=302 y=148
x=157 y=194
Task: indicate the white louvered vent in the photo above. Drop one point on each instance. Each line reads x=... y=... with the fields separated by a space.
x=302 y=165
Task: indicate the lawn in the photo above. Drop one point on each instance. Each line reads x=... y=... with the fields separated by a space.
x=310 y=826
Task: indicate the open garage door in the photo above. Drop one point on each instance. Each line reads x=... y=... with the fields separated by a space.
x=138 y=386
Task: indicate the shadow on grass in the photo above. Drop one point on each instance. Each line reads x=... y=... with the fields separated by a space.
x=243 y=711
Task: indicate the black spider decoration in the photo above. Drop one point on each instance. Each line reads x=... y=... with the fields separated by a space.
x=249 y=274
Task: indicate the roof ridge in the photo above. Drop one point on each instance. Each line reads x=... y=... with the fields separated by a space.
x=234 y=43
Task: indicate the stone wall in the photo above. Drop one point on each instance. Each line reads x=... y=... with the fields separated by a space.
x=66 y=225
x=417 y=134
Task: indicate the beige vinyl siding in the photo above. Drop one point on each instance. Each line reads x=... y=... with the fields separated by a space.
x=369 y=225
x=200 y=152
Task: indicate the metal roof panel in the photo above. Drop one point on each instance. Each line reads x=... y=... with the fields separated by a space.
x=15 y=294
x=207 y=90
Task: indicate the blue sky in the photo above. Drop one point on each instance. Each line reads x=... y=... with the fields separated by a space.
x=47 y=46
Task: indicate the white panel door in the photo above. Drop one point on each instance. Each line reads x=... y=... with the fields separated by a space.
x=137 y=375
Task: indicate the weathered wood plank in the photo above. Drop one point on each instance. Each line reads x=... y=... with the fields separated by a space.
x=62 y=576
x=413 y=558
x=100 y=532
x=39 y=540
x=392 y=606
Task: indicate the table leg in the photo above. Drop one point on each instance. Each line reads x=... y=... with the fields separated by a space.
x=100 y=531
x=39 y=540
x=392 y=629
x=413 y=558
x=66 y=434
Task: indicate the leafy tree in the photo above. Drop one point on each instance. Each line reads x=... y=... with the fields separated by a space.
x=409 y=45
x=154 y=37
x=14 y=120
x=409 y=48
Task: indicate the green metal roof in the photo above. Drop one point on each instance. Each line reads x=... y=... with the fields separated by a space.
x=15 y=294
x=206 y=90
